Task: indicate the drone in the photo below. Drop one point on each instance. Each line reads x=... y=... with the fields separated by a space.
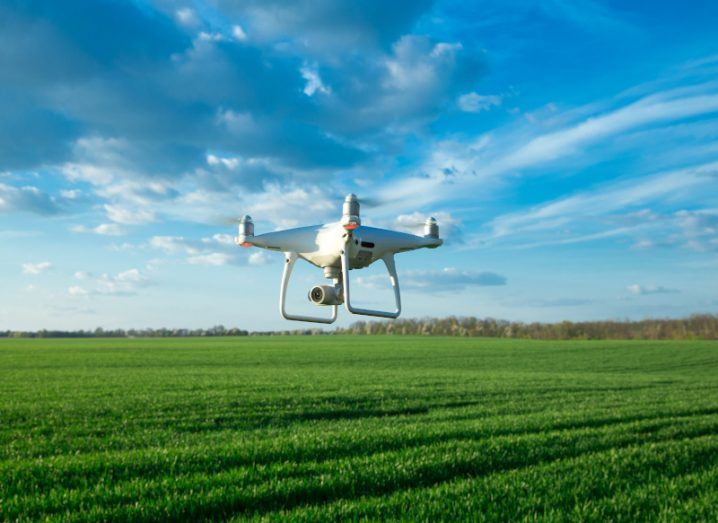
x=338 y=248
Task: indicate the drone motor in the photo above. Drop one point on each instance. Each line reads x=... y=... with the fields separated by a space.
x=246 y=231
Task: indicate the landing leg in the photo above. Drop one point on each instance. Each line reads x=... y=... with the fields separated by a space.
x=391 y=267
x=290 y=259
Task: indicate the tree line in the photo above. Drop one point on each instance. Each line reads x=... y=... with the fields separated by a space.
x=697 y=326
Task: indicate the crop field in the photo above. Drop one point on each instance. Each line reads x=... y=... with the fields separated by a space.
x=334 y=428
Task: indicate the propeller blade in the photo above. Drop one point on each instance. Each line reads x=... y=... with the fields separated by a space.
x=229 y=221
x=414 y=223
x=366 y=202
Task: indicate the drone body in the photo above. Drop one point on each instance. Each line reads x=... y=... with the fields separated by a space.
x=338 y=248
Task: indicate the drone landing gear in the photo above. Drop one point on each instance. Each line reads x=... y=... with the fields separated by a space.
x=289 y=261
x=391 y=267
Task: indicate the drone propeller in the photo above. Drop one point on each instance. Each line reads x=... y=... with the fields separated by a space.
x=376 y=201
x=366 y=202
x=228 y=221
x=413 y=222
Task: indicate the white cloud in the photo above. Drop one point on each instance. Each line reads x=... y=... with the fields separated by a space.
x=650 y=289
x=131 y=275
x=173 y=244
x=557 y=302
x=238 y=33
x=259 y=258
x=87 y=172
x=698 y=229
x=186 y=17
x=229 y=163
x=36 y=268
x=125 y=283
x=602 y=200
x=128 y=216
x=10 y=234
x=314 y=82
x=105 y=229
x=136 y=193
x=110 y=229
x=124 y=246
x=216 y=250
x=455 y=167
x=99 y=160
x=446 y=49
x=236 y=120
x=447 y=279
x=71 y=194
x=475 y=102
x=579 y=238
x=76 y=290
x=449 y=227
x=649 y=110
x=412 y=67
x=27 y=199
x=222 y=239
x=213 y=259
x=287 y=206
x=205 y=36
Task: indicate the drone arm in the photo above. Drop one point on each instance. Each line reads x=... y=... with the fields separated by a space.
x=289 y=259
x=391 y=267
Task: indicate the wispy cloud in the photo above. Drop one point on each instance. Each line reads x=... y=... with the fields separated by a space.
x=27 y=199
x=457 y=166
x=36 y=268
x=652 y=109
x=104 y=229
x=450 y=227
x=125 y=283
x=129 y=216
x=650 y=289
x=572 y=212
x=449 y=279
x=187 y=17
x=558 y=302
x=314 y=82
x=259 y=258
x=213 y=251
x=174 y=244
x=475 y=102
x=215 y=259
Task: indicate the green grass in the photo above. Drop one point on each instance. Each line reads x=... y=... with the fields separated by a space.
x=327 y=428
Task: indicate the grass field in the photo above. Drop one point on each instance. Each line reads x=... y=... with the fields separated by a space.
x=326 y=428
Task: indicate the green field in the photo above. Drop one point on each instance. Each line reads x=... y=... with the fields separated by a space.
x=326 y=428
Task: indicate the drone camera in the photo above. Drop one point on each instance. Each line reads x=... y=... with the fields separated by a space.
x=326 y=295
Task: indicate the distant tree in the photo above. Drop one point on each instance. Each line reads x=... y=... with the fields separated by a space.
x=698 y=326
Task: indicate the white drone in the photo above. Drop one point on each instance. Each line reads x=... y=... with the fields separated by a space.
x=338 y=248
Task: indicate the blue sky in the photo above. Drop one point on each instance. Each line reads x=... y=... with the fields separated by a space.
x=569 y=150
